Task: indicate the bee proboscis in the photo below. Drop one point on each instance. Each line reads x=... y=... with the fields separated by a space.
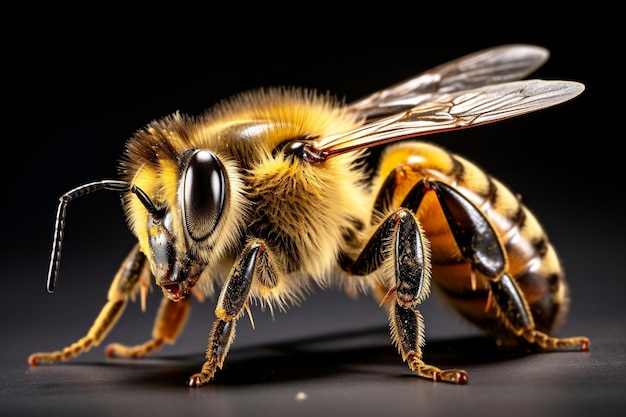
x=267 y=195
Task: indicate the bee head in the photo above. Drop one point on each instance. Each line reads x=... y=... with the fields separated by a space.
x=179 y=234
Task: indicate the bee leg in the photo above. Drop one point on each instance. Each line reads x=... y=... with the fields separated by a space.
x=480 y=246
x=132 y=271
x=250 y=266
x=401 y=239
x=170 y=320
x=220 y=339
x=408 y=333
x=515 y=313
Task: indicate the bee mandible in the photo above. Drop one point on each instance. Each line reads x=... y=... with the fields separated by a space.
x=267 y=195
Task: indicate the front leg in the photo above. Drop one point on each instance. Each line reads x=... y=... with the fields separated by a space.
x=133 y=272
x=168 y=324
x=254 y=263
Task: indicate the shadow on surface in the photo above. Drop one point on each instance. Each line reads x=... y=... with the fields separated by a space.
x=368 y=353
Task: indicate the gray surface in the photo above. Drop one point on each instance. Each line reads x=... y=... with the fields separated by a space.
x=339 y=371
x=74 y=100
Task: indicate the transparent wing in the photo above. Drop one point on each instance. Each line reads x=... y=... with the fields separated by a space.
x=454 y=110
x=490 y=66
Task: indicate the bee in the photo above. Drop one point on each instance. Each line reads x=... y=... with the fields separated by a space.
x=268 y=195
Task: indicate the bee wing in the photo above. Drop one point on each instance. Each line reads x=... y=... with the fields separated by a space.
x=490 y=66
x=455 y=110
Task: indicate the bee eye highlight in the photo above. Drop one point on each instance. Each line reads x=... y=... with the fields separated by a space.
x=204 y=193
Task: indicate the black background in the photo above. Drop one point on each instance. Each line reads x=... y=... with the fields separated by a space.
x=77 y=85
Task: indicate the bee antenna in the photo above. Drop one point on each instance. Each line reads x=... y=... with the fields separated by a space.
x=145 y=200
x=57 y=242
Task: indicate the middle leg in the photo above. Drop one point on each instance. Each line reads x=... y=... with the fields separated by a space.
x=400 y=247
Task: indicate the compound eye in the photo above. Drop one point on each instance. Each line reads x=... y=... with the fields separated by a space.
x=204 y=193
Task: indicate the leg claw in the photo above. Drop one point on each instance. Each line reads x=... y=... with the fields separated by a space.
x=453 y=376
x=195 y=382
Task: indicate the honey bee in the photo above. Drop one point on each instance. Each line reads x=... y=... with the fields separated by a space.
x=268 y=195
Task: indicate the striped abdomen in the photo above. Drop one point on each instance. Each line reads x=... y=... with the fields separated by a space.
x=531 y=259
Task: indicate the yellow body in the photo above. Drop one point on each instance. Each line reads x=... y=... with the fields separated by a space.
x=302 y=212
x=270 y=193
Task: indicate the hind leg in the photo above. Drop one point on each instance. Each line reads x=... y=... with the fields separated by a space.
x=515 y=314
